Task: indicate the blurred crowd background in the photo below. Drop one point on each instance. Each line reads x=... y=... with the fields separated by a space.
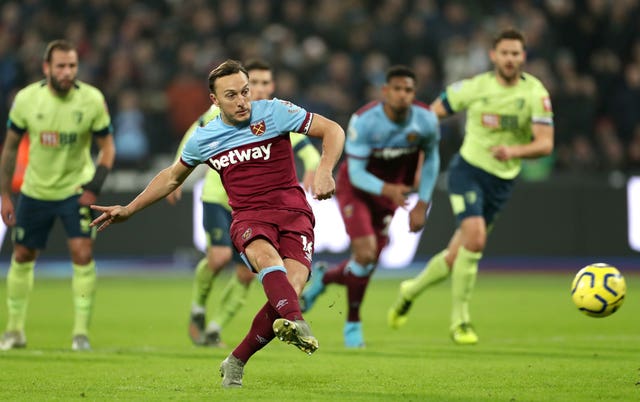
x=151 y=59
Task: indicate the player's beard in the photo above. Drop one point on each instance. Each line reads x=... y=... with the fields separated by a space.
x=400 y=112
x=62 y=88
x=511 y=76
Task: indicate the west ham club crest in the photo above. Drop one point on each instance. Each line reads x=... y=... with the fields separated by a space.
x=258 y=128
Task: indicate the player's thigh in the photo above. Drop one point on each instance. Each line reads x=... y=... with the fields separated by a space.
x=261 y=254
x=497 y=192
x=297 y=238
x=356 y=214
x=34 y=220
x=290 y=233
x=216 y=221
x=465 y=190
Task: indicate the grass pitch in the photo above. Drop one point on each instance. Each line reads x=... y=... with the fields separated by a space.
x=534 y=346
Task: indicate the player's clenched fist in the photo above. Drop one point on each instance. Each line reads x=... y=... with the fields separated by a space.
x=324 y=186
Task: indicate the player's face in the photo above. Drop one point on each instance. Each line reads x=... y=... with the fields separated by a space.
x=62 y=70
x=508 y=58
x=399 y=93
x=261 y=84
x=233 y=97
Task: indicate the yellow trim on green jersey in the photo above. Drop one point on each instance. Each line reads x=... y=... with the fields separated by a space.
x=498 y=115
x=60 y=131
x=212 y=189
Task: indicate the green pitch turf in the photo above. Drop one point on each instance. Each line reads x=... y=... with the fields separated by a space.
x=534 y=346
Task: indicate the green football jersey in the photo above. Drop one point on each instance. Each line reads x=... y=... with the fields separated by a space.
x=212 y=189
x=60 y=131
x=498 y=115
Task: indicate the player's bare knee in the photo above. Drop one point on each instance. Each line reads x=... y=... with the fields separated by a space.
x=216 y=264
x=23 y=254
x=365 y=257
x=476 y=243
x=218 y=258
x=474 y=234
x=365 y=254
x=81 y=257
x=245 y=276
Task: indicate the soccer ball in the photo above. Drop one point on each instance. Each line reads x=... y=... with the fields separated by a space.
x=598 y=290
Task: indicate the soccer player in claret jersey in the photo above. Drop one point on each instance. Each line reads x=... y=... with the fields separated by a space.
x=385 y=143
x=509 y=117
x=272 y=228
x=216 y=220
x=61 y=116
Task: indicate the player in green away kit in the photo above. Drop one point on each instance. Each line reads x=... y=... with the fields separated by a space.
x=62 y=117
x=509 y=117
x=217 y=219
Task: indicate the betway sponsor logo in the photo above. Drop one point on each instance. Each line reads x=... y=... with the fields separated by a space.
x=241 y=155
x=392 y=153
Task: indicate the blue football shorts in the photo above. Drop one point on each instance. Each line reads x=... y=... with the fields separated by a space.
x=216 y=221
x=35 y=219
x=474 y=192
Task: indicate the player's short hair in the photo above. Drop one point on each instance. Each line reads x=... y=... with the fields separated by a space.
x=58 y=44
x=399 y=71
x=257 y=64
x=229 y=67
x=510 y=34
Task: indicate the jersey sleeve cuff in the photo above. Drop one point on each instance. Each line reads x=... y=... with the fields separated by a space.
x=445 y=103
x=11 y=125
x=306 y=123
x=185 y=163
x=103 y=132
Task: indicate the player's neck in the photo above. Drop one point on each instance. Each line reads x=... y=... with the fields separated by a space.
x=394 y=116
x=58 y=94
x=505 y=81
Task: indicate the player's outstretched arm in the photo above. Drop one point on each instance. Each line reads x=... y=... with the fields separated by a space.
x=324 y=186
x=164 y=183
x=175 y=196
